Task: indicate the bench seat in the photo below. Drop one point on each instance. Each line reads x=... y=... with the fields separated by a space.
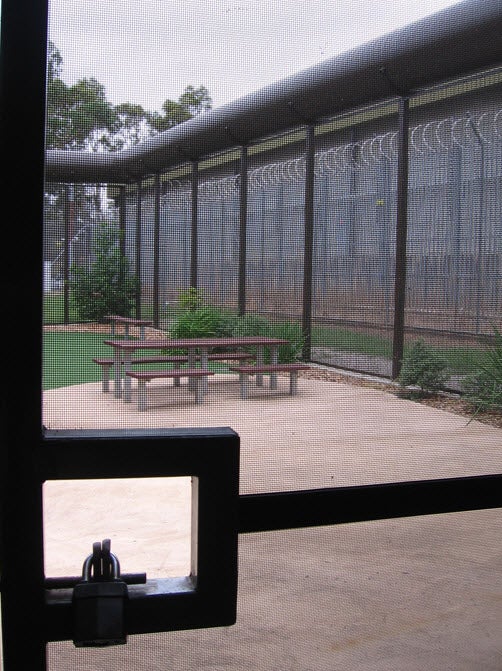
x=272 y=370
x=144 y=376
x=176 y=359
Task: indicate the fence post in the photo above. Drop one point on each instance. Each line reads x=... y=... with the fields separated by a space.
x=308 y=243
x=122 y=220
x=137 y=250
x=243 y=208
x=194 y=226
x=401 y=234
x=156 y=250
x=69 y=231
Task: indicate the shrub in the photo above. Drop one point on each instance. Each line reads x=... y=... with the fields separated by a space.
x=190 y=300
x=203 y=322
x=250 y=325
x=423 y=368
x=292 y=332
x=483 y=389
x=107 y=285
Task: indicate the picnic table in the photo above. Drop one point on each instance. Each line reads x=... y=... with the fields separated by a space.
x=126 y=322
x=198 y=355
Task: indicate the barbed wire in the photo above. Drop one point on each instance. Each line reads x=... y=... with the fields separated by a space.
x=438 y=135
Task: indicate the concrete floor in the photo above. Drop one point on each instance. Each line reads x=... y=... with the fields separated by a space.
x=390 y=595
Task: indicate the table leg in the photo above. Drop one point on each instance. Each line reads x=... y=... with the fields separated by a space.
x=259 y=362
x=191 y=364
x=117 y=373
x=126 y=365
x=204 y=362
x=126 y=334
x=274 y=357
x=244 y=385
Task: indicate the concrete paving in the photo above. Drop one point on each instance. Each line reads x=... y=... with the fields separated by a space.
x=390 y=595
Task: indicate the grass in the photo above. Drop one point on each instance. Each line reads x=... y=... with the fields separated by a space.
x=461 y=360
x=67 y=356
x=53 y=310
x=67 y=359
x=351 y=341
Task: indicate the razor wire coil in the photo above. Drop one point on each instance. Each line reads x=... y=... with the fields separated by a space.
x=438 y=135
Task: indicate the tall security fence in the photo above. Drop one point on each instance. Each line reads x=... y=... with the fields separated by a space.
x=315 y=227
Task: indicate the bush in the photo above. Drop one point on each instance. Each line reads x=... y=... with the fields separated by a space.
x=190 y=300
x=423 y=368
x=483 y=389
x=290 y=331
x=106 y=286
x=250 y=325
x=204 y=322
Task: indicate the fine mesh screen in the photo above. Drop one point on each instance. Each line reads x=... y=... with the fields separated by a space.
x=397 y=594
x=148 y=522
x=229 y=245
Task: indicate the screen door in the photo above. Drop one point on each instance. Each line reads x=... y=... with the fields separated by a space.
x=328 y=496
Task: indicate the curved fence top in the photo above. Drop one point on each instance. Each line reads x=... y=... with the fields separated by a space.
x=459 y=40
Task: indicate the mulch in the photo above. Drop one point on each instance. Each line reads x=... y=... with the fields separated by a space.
x=442 y=401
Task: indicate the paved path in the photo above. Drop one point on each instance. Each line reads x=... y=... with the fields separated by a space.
x=390 y=595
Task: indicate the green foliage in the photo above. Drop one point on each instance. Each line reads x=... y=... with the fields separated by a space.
x=423 y=368
x=203 y=322
x=106 y=286
x=192 y=101
x=249 y=325
x=191 y=299
x=79 y=116
x=292 y=332
x=483 y=389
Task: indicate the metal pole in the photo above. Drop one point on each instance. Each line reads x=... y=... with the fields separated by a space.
x=401 y=234
x=156 y=250
x=122 y=240
x=69 y=228
x=308 y=243
x=122 y=220
x=195 y=224
x=137 y=250
x=243 y=210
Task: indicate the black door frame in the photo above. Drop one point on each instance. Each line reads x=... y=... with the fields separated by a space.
x=25 y=448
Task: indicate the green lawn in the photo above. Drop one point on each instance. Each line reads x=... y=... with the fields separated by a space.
x=460 y=360
x=67 y=356
x=67 y=359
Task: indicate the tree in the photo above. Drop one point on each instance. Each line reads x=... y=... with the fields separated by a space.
x=107 y=285
x=78 y=116
x=134 y=125
x=192 y=102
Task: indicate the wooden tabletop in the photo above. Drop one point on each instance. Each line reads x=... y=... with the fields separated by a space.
x=195 y=343
x=127 y=320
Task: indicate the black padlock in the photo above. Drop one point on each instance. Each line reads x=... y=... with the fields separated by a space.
x=99 y=604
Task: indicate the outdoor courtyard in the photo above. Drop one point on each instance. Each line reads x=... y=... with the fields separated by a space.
x=394 y=594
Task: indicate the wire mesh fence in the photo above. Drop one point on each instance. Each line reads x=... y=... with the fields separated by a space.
x=199 y=227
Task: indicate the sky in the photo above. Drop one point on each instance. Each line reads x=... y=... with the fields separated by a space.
x=145 y=51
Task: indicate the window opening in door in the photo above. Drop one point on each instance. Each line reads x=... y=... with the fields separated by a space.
x=147 y=520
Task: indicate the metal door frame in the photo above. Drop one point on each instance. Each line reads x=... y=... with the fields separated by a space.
x=28 y=455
